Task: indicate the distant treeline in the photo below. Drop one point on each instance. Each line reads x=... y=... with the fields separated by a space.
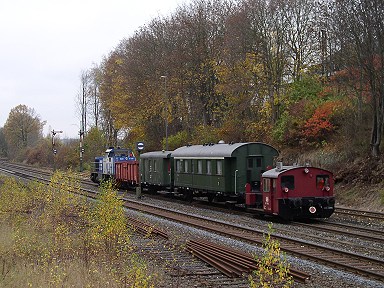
x=291 y=73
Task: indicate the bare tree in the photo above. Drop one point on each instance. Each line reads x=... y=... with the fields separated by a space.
x=94 y=97
x=301 y=34
x=360 y=30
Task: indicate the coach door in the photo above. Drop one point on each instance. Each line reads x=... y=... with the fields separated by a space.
x=254 y=170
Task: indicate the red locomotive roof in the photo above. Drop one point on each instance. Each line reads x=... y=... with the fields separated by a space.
x=280 y=169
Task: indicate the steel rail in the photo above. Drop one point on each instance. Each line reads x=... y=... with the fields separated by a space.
x=363 y=265
x=232 y=262
x=367 y=266
x=360 y=213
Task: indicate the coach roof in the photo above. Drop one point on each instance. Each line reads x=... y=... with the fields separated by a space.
x=211 y=150
x=156 y=154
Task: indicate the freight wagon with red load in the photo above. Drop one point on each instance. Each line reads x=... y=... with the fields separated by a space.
x=117 y=164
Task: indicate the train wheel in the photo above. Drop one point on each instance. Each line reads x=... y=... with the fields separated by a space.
x=188 y=195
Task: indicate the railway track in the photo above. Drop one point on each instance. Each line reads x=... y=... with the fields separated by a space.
x=235 y=263
x=360 y=213
x=359 y=264
x=370 y=234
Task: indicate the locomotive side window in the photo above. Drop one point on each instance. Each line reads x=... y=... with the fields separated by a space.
x=219 y=167
x=288 y=182
x=322 y=181
x=266 y=184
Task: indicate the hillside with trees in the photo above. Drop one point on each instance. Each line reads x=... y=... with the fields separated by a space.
x=294 y=73
x=305 y=76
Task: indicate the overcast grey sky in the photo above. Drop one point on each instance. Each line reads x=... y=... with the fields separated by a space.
x=45 y=44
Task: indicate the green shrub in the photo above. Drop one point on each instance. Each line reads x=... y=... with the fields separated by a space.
x=273 y=267
x=59 y=239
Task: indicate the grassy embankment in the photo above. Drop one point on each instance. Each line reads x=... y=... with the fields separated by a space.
x=53 y=239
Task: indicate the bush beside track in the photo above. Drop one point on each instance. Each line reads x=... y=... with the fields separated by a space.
x=55 y=239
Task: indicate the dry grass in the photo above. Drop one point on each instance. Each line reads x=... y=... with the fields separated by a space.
x=51 y=239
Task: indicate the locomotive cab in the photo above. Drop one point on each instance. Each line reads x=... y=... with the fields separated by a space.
x=298 y=192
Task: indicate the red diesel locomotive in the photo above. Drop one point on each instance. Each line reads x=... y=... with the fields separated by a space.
x=297 y=192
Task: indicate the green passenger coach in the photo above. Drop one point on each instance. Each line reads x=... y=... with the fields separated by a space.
x=156 y=170
x=221 y=171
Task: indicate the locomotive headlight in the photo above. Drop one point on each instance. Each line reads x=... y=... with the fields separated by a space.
x=306 y=170
x=327 y=188
x=286 y=189
x=312 y=209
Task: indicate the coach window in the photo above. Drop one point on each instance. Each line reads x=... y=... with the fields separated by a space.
x=178 y=166
x=266 y=184
x=219 y=167
x=199 y=166
x=274 y=185
x=154 y=166
x=209 y=167
x=288 y=182
x=150 y=165
x=186 y=166
x=250 y=163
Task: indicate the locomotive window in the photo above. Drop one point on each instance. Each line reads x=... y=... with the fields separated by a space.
x=250 y=162
x=288 y=181
x=322 y=181
x=209 y=167
x=219 y=167
x=266 y=184
x=258 y=162
x=199 y=166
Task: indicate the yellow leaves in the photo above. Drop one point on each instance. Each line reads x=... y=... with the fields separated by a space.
x=61 y=243
x=273 y=268
x=107 y=221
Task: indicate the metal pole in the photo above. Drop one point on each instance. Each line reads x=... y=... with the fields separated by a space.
x=166 y=112
x=236 y=181
x=81 y=133
x=53 y=147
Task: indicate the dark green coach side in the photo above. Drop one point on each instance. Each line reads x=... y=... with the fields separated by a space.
x=222 y=169
x=156 y=170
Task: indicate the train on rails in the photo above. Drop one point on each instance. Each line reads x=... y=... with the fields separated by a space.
x=234 y=173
